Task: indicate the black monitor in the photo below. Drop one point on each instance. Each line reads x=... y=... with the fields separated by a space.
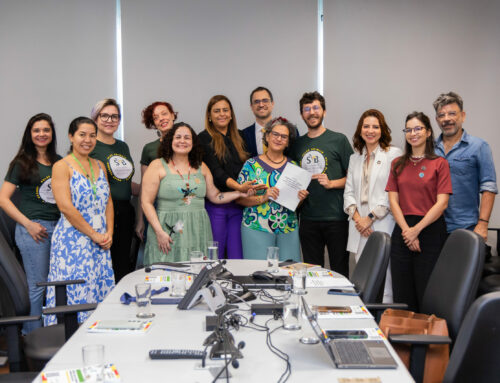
x=205 y=277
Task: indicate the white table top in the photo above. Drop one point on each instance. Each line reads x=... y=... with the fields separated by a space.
x=177 y=329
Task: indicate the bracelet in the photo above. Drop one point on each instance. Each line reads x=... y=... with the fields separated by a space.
x=484 y=220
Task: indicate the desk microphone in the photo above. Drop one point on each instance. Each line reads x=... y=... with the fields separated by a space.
x=148 y=269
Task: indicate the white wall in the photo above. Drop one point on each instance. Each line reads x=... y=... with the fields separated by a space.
x=186 y=52
x=56 y=57
x=398 y=56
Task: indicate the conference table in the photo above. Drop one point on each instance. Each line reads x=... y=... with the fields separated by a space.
x=185 y=329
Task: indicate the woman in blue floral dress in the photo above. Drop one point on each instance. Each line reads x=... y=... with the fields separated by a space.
x=83 y=236
x=265 y=222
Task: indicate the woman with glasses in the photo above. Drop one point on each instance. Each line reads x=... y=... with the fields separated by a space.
x=119 y=165
x=36 y=215
x=159 y=116
x=265 y=222
x=84 y=233
x=179 y=182
x=419 y=186
x=224 y=154
x=365 y=199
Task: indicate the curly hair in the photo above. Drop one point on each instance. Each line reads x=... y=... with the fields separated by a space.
x=147 y=113
x=292 y=130
x=385 y=137
x=194 y=156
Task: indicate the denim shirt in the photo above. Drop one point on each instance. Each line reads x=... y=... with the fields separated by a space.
x=472 y=172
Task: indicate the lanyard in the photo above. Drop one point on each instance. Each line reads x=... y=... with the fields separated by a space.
x=91 y=179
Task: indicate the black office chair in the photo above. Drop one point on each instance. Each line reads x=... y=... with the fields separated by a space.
x=369 y=274
x=8 y=226
x=41 y=344
x=451 y=289
x=475 y=357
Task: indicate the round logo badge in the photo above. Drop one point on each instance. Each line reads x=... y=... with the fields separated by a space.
x=314 y=162
x=120 y=167
x=45 y=191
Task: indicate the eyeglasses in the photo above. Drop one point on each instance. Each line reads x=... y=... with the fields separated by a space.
x=308 y=109
x=276 y=135
x=264 y=101
x=416 y=129
x=105 y=117
x=451 y=114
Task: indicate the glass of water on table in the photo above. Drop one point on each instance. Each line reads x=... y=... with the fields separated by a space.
x=273 y=258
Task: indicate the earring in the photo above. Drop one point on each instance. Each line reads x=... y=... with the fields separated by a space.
x=209 y=120
x=158 y=132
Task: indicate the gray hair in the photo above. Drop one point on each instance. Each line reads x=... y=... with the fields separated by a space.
x=292 y=129
x=447 y=99
x=100 y=105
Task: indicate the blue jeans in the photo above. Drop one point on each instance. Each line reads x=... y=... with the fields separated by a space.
x=36 y=258
x=256 y=242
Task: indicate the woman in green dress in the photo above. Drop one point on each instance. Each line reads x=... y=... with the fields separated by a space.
x=179 y=182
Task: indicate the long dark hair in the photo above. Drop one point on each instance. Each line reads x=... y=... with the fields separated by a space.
x=166 y=152
x=232 y=131
x=27 y=154
x=429 y=143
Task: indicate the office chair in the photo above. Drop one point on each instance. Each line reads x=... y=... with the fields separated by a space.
x=41 y=344
x=8 y=226
x=369 y=274
x=475 y=357
x=451 y=289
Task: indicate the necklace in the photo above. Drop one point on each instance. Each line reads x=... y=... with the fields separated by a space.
x=91 y=179
x=416 y=159
x=275 y=162
x=178 y=172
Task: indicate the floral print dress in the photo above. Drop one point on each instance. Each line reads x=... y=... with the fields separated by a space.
x=74 y=255
x=270 y=216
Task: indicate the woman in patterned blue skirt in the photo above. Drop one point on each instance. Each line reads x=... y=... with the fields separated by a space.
x=83 y=236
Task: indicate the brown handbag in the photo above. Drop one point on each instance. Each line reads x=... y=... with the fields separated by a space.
x=407 y=322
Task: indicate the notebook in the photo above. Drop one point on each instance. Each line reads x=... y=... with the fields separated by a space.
x=347 y=353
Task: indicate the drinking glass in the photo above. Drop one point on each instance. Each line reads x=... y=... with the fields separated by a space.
x=308 y=336
x=299 y=278
x=291 y=315
x=178 y=284
x=143 y=300
x=273 y=259
x=213 y=250
x=93 y=362
x=196 y=258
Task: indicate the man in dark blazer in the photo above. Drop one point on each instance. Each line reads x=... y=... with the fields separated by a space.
x=262 y=104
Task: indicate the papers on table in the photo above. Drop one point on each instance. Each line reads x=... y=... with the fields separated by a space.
x=326 y=279
x=293 y=179
x=121 y=326
x=77 y=375
x=357 y=312
x=157 y=278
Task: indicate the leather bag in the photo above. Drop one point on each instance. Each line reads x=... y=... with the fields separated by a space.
x=407 y=322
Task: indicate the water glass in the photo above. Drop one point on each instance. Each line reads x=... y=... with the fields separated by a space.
x=291 y=315
x=178 y=284
x=93 y=362
x=273 y=259
x=299 y=278
x=308 y=336
x=196 y=258
x=213 y=250
x=143 y=300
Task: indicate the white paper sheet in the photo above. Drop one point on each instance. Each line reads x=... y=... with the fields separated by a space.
x=293 y=179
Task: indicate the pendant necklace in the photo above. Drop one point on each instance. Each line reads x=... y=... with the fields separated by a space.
x=90 y=178
x=274 y=162
x=178 y=172
x=416 y=159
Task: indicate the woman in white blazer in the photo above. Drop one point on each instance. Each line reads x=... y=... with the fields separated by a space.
x=365 y=199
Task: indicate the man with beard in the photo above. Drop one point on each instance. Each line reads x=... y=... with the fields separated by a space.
x=471 y=166
x=325 y=154
x=262 y=104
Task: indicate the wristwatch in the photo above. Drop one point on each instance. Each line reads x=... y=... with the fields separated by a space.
x=371 y=216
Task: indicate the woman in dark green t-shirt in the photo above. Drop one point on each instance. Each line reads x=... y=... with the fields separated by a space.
x=160 y=116
x=116 y=157
x=31 y=172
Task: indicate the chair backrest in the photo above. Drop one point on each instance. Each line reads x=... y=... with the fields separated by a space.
x=453 y=284
x=7 y=224
x=13 y=278
x=369 y=273
x=475 y=357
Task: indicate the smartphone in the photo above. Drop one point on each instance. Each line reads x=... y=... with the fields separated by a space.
x=343 y=292
x=333 y=309
x=346 y=334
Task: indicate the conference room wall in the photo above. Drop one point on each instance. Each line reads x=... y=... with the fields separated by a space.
x=185 y=52
x=398 y=56
x=57 y=57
